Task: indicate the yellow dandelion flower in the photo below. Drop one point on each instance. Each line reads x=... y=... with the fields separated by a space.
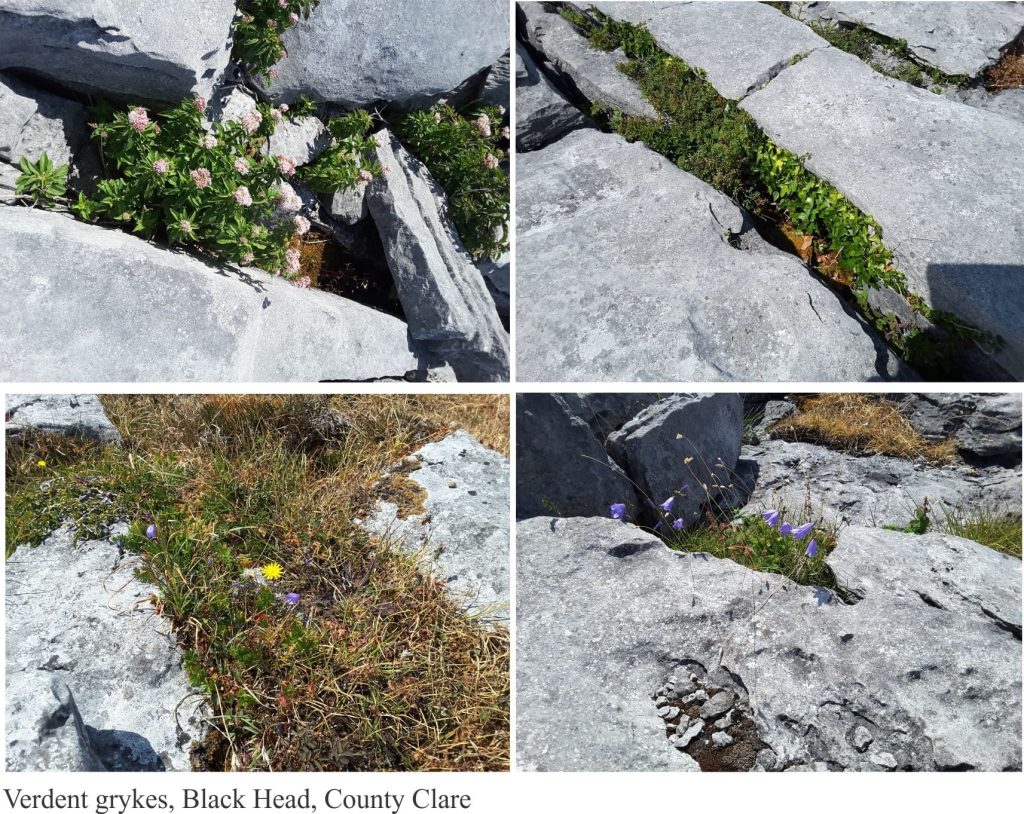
x=272 y=571
x=41 y=463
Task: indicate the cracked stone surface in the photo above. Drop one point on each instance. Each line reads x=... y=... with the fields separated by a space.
x=941 y=178
x=126 y=700
x=594 y=73
x=462 y=532
x=741 y=46
x=132 y=311
x=606 y=615
x=543 y=114
x=620 y=231
x=871 y=490
x=955 y=37
x=78 y=415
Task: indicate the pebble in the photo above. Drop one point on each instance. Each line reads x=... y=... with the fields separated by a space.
x=885 y=759
x=684 y=740
x=725 y=721
x=862 y=738
x=721 y=739
x=699 y=695
x=661 y=701
x=452 y=484
x=682 y=723
x=718 y=705
x=668 y=712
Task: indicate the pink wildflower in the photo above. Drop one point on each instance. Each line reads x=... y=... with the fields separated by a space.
x=292 y=261
x=199 y=103
x=273 y=73
x=303 y=282
x=490 y=161
x=293 y=18
x=287 y=200
x=161 y=166
x=301 y=225
x=483 y=124
x=275 y=114
x=201 y=177
x=185 y=226
x=156 y=128
x=505 y=133
x=365 y=176
x=282 y=3
x=242 y=196
x=241 y=166
x=271 y=23
x=251 y=122
x=283 y=108
x=247 y=259
x=209 y=142
x=138 y=119
x=285 y=165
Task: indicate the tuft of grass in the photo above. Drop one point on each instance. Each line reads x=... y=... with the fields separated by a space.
x=375 y=668
x=998 y=530
x=861 y=423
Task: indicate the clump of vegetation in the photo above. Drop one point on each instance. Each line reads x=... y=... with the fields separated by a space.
x=348 y=162
x=42 y=182
x=345 y=655
x=464 y=152
x=1008 y=72
x=999 y=530
x=212 y=187
x=861 y=423
x=259 y=32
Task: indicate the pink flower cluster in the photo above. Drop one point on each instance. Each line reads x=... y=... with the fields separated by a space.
x=242 y=196
x=241 y=166
x=287 y=200
x=138 y=119
x=285 y=165
x=365 y=176
x=251 y=122
x=201 y=177
x=200 y=103
x=301 y=225
x=209 y=142
x=303 y=282
x=292 y=262
x=247 y=259
x=483 y=124
x=491 y=161
x=161 y=166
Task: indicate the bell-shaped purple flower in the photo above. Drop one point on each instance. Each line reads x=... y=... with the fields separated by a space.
x=802 y=531
x=667 y=505
x=771 y=517
x=151 y=531
x=618 y=511
x=812 y=549
x=786 y=529
x=292 y=598
x=678 y=524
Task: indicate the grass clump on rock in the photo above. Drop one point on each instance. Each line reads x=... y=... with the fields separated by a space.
x=861 y=424
x=319 y=646
x=464 y=151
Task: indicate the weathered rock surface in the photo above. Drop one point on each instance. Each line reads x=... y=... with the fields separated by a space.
x=592 y=72
x=942 y=180
x=77 y=612
x=561 y=467
x=77 y=415
x=654 y=448
x=956 y=38
x=36 y=122
x=740 y=46
x=497 y=88
x=543 y=114
x=1009 y=102
x=443 y=295
x=607 y=412
x=301 y=139
x=983 y=426
x=650 y=288
x=125 y=48
x=606 y=614
x=869 y=491
x=498 y=276
x=463 y=529
x=337 y=54
x=85 y=303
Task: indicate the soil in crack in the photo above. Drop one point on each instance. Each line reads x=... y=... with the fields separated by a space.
x=330 y=268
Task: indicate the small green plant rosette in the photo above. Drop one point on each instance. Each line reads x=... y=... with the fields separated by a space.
x=41 y=180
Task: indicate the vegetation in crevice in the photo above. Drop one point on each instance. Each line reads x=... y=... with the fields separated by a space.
x=711 y=138
x=345 y=655
x=464 y=151
x=259 y=32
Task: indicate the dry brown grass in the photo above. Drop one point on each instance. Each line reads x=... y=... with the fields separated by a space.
x=861 y=423
x=1008 y=72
